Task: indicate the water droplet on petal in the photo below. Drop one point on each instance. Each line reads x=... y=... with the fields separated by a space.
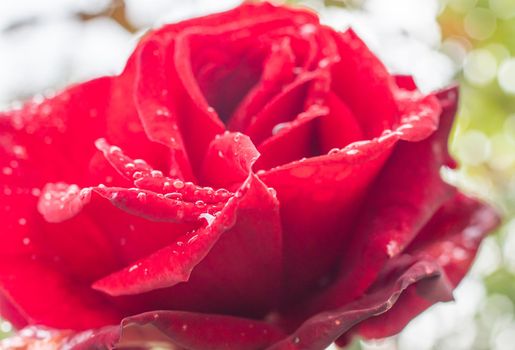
x=324 y=63
x=142 y=197
x=178 y=184
x=208 y=217
x=279 y=127
x=114 y=149
x=192 y=239
x=156 y=173
x=307 y=29
x=20 y=151
x=222 y=192
x=173 y=196
x=163 y=112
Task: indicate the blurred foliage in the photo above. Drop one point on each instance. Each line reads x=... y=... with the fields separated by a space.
x=480 y=37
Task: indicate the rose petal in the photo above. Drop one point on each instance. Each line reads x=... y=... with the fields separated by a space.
x=178 y=79
x=319 y=331
x=450 y=239
x=277 y=72
x=228 y=160
x=339 y=127
x=231 y=236
x=50 y=297
x=283 y=108
x=154 y=104
x=392 y=214
x=198 y=331
x=277 y=150
x=359 y=78
x=146 y=178
x=156 y=207
x=169 y=329
x=168 y=266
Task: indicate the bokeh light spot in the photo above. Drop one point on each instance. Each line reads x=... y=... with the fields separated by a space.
x=507 y=76
x=480 y=67
x=480 y=23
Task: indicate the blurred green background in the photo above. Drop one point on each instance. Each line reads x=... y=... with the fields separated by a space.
x=479 y=37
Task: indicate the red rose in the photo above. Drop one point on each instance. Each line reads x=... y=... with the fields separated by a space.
x=325 y=206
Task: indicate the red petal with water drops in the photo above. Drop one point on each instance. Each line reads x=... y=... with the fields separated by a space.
x=277 y=149
x=228 y=160
x=180 y=85
x=156 y=207
x=392 y=214
x=230 y=235
x=168 y=266
x=180 y=330
x=283 y=108
x=278 y=71
x=328 y=190
x=198 y=331
x=319 y=331
x=158 y=116
x=451 y=240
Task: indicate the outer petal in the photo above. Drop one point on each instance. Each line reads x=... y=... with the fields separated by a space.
x=392 y=214
x=319 y=331
x=450 y=239
x=328 y=191
x=59 y=298
x=61 y=254
x=168 y=329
